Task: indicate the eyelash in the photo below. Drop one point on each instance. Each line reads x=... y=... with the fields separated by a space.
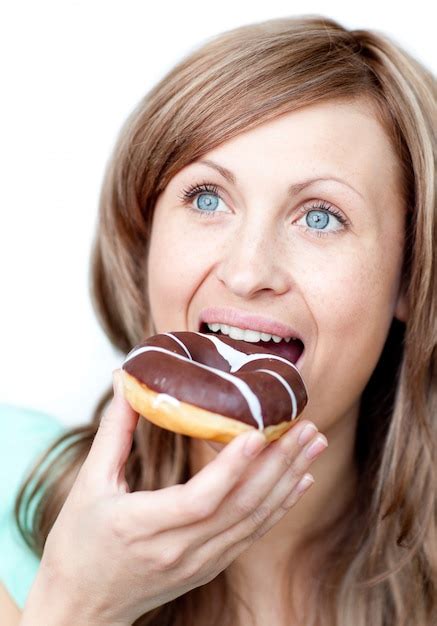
x=192 y=191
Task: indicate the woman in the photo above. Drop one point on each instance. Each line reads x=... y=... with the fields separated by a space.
x=283 y=172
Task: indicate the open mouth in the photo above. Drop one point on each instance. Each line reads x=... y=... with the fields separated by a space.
x=291 y=350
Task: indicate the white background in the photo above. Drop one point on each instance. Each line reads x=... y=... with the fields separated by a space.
x=71 y=72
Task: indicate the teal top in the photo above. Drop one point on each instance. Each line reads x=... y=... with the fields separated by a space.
x=24 y=434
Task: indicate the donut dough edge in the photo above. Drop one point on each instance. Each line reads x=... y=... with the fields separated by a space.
x=188 y=419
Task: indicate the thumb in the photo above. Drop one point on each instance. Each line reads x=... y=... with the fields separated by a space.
x=113 y=441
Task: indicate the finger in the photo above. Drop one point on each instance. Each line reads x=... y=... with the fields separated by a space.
x=284 y=496
x=179 y=505
x=113 y=441
x=225 y=558
x=216 y=446
x=221 y=553
x=269 y=482
x=241 y=535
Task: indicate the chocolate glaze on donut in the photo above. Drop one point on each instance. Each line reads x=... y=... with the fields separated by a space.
x=233 y=378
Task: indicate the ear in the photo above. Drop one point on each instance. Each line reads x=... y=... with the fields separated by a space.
x=401 y=309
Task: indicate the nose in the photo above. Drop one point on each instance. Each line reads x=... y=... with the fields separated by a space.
x=252 y=262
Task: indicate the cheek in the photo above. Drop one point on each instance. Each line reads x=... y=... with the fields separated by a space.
x=354 y=292
x=352 y=304
x=176 y=266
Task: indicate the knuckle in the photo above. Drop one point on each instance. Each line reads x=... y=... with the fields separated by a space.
x=290 y=501
x=269 y=523
x=294 y=473
x=245 y=505
x=192 y=570
x=170 y=556
x=258 y=533
x=261 y=514
x=286 y=458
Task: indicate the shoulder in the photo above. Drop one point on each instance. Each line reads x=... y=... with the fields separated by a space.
x=16 y=420
x=24 y=435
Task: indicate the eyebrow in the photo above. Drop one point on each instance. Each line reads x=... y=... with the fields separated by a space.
x=292 y=189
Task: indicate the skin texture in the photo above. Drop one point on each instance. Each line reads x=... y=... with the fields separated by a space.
x=9 y=610
x=259 y=253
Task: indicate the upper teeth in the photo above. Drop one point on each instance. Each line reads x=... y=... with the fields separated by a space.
x=246 y=335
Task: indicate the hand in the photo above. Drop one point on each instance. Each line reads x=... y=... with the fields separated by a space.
x=113 y=555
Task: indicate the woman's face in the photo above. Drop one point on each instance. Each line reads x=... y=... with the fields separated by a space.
x=323 y=259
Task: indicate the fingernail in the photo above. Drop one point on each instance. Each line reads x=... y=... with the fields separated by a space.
x=307 y=434
x=304 y=483
x=254 y=443
x=319 y=444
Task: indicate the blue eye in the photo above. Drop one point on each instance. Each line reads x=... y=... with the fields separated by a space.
x=317 y=219
x=207 y=201
x=205 y=196
x=320 y=216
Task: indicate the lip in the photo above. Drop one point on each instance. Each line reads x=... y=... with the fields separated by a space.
x=247 y=321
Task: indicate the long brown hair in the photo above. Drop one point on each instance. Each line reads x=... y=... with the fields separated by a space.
x=381 y=562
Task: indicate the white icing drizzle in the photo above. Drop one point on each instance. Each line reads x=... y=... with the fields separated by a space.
x=164 y=398
x=245 y=390
x=287 y=387
x=181 y=343
x=236 y=360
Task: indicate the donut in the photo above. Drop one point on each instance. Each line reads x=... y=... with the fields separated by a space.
x=212 y=387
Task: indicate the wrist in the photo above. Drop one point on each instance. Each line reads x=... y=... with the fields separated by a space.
x=51 y=603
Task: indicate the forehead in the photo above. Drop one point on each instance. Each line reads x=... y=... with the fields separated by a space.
x=333 y=138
